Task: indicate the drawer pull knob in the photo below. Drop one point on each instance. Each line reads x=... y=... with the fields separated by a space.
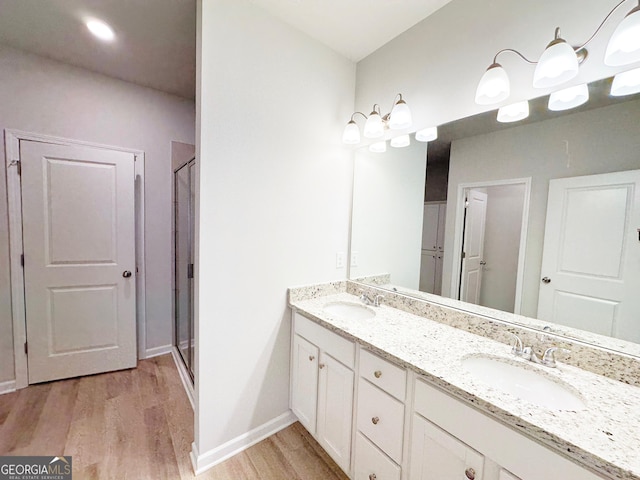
x=321 y=365
x=377 y=374
x=470 y=473
x=372 y=476
x=311 y=358
x=375 y=420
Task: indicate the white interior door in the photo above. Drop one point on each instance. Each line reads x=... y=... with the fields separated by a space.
x=79 y=250
x=591 y=258
x=473 y=247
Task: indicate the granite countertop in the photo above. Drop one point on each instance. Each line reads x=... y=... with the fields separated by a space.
x=605 y=436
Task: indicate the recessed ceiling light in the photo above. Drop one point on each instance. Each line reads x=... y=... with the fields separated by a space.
x=100 y=30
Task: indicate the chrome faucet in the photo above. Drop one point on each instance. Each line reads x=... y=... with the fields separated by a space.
x=548 y=358
x=364 y=298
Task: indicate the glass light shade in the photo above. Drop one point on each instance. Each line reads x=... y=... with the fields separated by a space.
x=624 y=45
x=557 y=65
x=378 y=147
x=401 y=141
x=569 y=98
x=400 y=117
x=351 y=134
x=514 y=112
x=427 y=134
x=373 y=127
x=626 y=83
x=494 y=86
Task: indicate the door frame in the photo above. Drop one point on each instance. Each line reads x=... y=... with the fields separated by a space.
x=14 y=196
x=456 y=253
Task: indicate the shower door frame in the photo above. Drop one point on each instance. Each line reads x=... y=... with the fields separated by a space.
x=188 y=364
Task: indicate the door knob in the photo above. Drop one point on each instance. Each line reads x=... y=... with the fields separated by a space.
x=482 y=262
x=546 y=280
x=126 y=274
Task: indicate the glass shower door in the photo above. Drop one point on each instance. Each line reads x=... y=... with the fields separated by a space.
x=184 y=198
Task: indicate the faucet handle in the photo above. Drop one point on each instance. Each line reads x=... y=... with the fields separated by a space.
x=549 y=358
x=517 y=349
x=377 y=300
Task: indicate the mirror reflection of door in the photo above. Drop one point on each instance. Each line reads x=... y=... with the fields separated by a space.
x=491 y=245
x=598 y=293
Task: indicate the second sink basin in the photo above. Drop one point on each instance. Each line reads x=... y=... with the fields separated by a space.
x=349 y=310
x=524 y=382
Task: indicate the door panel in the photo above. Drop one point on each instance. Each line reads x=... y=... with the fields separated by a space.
x=79 y=238
x=473 y=247
x=591 y=254
x=304 y=383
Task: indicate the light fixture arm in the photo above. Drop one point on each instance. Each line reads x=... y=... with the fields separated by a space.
x=495 y=59
x=355 y=113
x=602 y=24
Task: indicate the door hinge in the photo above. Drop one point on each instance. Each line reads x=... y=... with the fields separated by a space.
x=26 y=348
x=464 y=255
x=19 y=165
x=190 y=270
x=22 y=260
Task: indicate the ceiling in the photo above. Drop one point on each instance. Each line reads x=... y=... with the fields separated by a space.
x=154 y=47
x=353 y=28
x=155 y=42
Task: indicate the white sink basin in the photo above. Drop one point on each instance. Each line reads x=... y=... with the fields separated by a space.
x=524 y=382
x=354 y=311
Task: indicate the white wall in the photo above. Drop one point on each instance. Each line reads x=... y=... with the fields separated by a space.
x=438 y=63
x=502 y=246
x=274 y=206
x=386 y=229
x=43 y=96
x=597 y=141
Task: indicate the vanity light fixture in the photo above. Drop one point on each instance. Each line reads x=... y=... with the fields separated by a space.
x=401 y=141
x=624 y=45
x=568 y=98
x=427 y=134
x=560 y=61
x=378 y=147
x=626 y=83
x=398 y=119
x=557 y=65
x=514 y=112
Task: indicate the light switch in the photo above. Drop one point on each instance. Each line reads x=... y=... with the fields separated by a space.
x=340 y=260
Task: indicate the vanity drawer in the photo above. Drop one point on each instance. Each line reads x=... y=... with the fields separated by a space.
x=338 y=347
x=381 y=419
x=384 y=374
x=371 y=463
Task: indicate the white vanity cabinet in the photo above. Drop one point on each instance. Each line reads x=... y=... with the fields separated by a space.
x=322 y=383
x=380 y=414
x=450 y=436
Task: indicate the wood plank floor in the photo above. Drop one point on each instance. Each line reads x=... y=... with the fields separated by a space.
x=138 y=424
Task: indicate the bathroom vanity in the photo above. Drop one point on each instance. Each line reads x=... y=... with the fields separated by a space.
x=394 y=395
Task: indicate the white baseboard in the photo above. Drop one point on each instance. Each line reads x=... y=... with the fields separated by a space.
x=184 y=376
x=157 y=351
x=7 y=387
x=207 y=460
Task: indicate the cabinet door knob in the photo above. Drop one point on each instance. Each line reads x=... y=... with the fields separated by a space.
x=126 y=274
x=311 y=358
x=375 y=420
x=470 y=473
x=372 y=476
x=377 y=374
x=321 y=365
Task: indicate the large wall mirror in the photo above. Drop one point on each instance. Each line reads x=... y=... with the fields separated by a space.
x=540 y=218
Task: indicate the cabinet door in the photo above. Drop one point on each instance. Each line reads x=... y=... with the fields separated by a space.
x=428 y=271
x=430 y=227
x=437 y=278
x=436 y=455
x=335 y=409
x=304 y=382
x=442 y=217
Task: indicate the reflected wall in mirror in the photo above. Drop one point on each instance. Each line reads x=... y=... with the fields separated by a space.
x=591 y=223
